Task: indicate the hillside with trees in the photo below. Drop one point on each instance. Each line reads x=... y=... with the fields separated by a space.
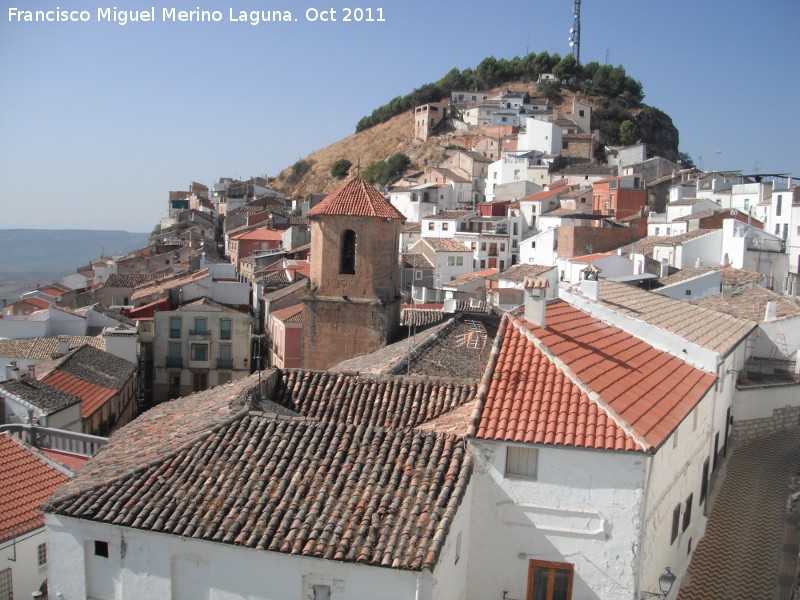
x=618 y=112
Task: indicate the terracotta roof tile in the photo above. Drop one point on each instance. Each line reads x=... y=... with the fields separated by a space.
x=750 y=303
x=26 y=482
x=45 y=348
x=290 y=314
x=584 y=383
x=696 y=324
x=356 y=198
x=92 y=396
x=470 y=277
x=519 y=272
x=341 y=476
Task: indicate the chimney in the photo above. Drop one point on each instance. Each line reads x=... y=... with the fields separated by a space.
x=698 y=263
x=63 y=345
x=590 y=285
x=32 y=371
x=12 y=371
x=535 y=292
x=771 y=312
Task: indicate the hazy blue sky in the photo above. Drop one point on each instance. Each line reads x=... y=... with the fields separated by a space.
x=99 y=121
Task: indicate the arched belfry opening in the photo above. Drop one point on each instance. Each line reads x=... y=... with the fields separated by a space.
x=347 y=260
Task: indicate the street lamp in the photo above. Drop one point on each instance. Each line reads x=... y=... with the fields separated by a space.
x=665 y=582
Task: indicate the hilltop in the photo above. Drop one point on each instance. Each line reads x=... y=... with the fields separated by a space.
x=396 y=135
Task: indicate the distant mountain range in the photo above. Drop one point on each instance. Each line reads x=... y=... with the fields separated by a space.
x=40 y=256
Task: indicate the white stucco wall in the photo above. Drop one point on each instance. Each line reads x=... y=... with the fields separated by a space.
x=707 y=284
x=150 y=565
x=675 y=476
x=582 y=509
x=26 y=574
x=21 y=327
x=539 y=249
x=540 y=135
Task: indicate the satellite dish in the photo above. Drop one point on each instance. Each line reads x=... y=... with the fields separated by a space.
x=571 y=43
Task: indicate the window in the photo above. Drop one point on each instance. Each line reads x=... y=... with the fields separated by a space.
x=41 y=554
x=101 y=548
x=483 y=264
x=778 y=206
x=459 y=261
x=347 y=264
x=199 y=381
x=521 y=462
x=704 y=482
x=418 y=275
x=199 y=351
x=321 y=592
x=174 y=327
x=174 y=354
x=676 y=522
x=200 y=326
x=225 y=356
x=451 y=261
x=6 y=587
x=430 y=225
x=687 y=512
x=549 y=580
x=174 y=385
x=225 y=329
x=445 y=226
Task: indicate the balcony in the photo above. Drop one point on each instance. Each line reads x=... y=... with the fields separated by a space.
x=762 y=244
x=225 y=363
x=200 y=333
x=174 y=362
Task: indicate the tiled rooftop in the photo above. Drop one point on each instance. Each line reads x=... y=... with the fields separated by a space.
x=26 y=482
x=696 y=324
x=128 y=280
x=356 y=197
x=446 y=245
x=735 y=277
x=98 y=367
x=581 y=382
x=163 y=285
x=470 y=277
x=518 y=273
x=346 y=479
x=45 y=348
x=290 y=314
x=750 y=303
x=47 y=398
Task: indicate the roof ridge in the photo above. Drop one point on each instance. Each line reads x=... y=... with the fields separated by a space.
x=519 y=323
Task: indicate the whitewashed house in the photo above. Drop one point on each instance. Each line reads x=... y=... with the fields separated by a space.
x=286 y=517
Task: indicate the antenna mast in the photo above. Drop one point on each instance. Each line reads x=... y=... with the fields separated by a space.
x=575 y=32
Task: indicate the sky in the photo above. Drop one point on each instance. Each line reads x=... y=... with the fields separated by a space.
x=99 y=121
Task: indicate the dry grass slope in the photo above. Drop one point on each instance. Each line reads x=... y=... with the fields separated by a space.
x=378 y=143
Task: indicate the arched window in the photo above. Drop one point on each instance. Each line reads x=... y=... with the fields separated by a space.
x=347 y=262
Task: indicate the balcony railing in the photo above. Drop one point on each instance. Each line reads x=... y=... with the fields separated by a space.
x=59 y=440
x=766 y=244
x=225 y=363
x=174 y=361
x=200 y=333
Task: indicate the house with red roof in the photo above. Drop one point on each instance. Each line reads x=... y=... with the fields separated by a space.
x=619 y=197
x=28 y=479
x=591 y=458
x=286 y=337
x=105 y=384
x=256 y=240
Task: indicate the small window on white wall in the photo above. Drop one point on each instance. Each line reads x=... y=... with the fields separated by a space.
x=522 y=462
x=322 y=592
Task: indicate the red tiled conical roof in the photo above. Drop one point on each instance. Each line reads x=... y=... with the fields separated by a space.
x=356 y=198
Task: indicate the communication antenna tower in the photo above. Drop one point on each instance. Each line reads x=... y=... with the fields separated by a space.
x=575 y=32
